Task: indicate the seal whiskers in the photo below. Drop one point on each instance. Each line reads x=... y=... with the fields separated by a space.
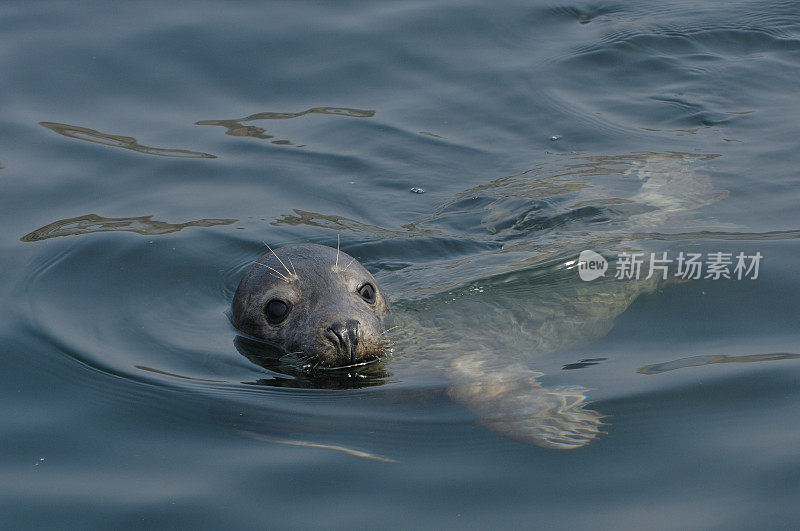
x=349 y=264
x=291 y=275
x=280 y=275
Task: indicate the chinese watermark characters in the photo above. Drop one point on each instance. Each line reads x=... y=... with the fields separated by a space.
x=688 y=266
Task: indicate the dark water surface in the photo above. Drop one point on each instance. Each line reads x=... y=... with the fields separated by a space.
x=148 y=150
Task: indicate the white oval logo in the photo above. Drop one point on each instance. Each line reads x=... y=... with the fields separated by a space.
x=591 y=265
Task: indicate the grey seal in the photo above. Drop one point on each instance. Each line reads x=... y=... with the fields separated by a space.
x=321 y=305
x=315 y=302
x=481 y=331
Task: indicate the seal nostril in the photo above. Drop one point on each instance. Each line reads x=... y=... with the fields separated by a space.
x=353 y=331
x=335 y=332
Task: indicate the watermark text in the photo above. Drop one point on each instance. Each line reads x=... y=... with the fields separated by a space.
x=688 y=266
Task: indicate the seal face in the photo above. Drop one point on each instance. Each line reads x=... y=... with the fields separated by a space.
x=315 y=302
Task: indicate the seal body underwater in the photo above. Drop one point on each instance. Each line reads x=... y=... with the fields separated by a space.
x=323 y=306
x=315 y=302
x=326 y=308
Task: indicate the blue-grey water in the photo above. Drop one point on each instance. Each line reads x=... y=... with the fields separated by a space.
x=148 y=149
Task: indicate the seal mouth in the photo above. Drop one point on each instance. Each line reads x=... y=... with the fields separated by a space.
x=335 y=352
x=350 y=347
x=366 y=357
x=358 y=365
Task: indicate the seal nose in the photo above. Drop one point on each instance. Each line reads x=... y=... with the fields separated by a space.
x=344 y=336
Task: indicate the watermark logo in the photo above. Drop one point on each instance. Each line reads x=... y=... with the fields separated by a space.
x=591 y=265
x=687 y=266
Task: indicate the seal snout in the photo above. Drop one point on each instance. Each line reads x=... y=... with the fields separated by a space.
x=345 y=338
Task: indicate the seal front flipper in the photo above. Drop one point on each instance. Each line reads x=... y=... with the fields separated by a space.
x=507 y=399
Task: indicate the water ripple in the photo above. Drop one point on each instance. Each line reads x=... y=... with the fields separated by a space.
x=125 y=142
x=90 y=223
x=699 y=361
x=237 y=127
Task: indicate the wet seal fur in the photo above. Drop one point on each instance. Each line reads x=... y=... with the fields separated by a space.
x=315 y=302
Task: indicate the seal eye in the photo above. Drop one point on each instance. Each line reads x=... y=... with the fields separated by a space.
x=367 y=292
x=276 y=311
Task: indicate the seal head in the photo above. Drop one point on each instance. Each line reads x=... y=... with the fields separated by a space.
x=315 y=302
